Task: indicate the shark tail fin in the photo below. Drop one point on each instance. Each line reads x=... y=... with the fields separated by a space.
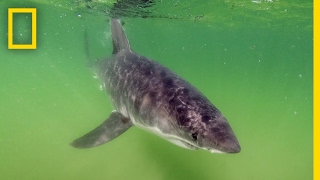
x=119 y=38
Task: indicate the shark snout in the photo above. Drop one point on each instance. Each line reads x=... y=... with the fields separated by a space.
x=221 y=138
x=227 y=146
x=229 y=142
x=231 y=146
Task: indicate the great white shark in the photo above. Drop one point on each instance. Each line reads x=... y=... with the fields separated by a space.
x=152 y=97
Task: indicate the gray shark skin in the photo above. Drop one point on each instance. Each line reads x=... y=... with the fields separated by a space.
x=152 y=97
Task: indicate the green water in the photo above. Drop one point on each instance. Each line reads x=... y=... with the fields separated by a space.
x=253 y=61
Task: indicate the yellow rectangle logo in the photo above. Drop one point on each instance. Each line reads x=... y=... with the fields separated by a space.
x=33 y=44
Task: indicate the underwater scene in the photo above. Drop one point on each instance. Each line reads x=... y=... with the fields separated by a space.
x=252 y=59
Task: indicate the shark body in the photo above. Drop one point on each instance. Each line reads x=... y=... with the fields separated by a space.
x=152 y=97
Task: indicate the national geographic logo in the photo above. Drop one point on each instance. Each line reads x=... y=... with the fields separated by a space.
x=33 y=12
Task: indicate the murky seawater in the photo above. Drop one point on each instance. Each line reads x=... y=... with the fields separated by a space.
x=252 y=59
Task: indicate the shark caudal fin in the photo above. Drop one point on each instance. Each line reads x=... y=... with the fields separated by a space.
x=119 y=38
x=115 y=125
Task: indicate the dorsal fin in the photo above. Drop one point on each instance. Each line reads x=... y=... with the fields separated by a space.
x=119 y=38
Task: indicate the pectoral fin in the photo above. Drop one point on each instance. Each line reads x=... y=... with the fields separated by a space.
x=111 y=128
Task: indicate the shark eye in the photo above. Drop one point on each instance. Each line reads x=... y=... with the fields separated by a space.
x=194 y=136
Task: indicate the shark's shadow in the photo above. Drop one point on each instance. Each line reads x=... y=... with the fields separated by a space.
x=174 y=162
